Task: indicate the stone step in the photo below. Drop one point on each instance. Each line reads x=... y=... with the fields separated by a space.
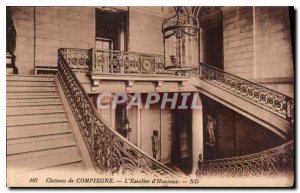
x=12 y=83
x=31 y=94
x=38 y=132
x=30 y=100
x=32 y=144
x=19 y=132
x=54 y=171
x=16 y=102
x=46 y=126
x=36 y=107
x=29 y=78
x=34 y=104
x=36 y=121
x=30 y=89
x=11 y=97
x=26 y=118
x=40 y=153
x=44 y=161
x=32 y=110
x=66 y=168
x=9 y=70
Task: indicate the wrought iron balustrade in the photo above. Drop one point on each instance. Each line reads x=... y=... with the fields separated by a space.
x=258 y=95
x=78 y=59
x=109 y=151
x=273 y=161
x=113 y=61
x=119 y=62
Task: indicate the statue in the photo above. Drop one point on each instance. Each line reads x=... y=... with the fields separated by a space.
x=10 y=33
x=11 y=39
x=125 y=130
x=155 y=143
x=198 y=171
x=124 y=127
x=210 y=128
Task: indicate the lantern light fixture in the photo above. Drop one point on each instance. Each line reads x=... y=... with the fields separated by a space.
x=181 y=40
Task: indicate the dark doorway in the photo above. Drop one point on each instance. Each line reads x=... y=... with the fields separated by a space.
x=213 y=45
x=111 y=29
x=182 y=140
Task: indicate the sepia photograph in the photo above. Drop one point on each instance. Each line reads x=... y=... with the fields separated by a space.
x=150 y=96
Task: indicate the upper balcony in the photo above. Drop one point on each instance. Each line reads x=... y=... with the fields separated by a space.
x=123 y=70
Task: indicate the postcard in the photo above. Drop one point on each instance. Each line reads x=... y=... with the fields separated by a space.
x=166 y=96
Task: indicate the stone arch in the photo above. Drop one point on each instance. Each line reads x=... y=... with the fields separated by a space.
x=187 y=10
x=208 y=15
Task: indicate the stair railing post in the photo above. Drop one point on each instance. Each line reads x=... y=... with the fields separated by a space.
x=93 y=59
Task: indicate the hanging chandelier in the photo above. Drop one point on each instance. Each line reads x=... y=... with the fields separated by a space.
x=181 y=40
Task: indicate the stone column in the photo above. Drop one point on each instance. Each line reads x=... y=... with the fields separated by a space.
x=197 y=134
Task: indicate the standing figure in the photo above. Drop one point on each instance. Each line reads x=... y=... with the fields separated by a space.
x=211 y=126
x=155 y=143
x=10 y=33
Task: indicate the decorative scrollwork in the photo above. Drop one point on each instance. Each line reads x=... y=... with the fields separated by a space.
x=119 y=62
x=270 y=162
x=78 y=59
x=109 y=151
x=261 y=96
x=113 y=61
x=192 y=72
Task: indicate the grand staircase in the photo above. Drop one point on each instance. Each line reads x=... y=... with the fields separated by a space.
x=39 y=136
x=42 y=137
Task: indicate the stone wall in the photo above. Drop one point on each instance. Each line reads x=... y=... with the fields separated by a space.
x=273 y=43
x=273 y=51
x=23 y=18
x=145 y=33
x=257 y=46
x=238 y=40
x=55 y=27
x=74 y=27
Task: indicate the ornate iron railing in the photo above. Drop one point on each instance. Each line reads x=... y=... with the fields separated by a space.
x=273 y=161
x=113 y=61
x=109 y=151
x=119 y=62
x=78 y=59
x=261 y=96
